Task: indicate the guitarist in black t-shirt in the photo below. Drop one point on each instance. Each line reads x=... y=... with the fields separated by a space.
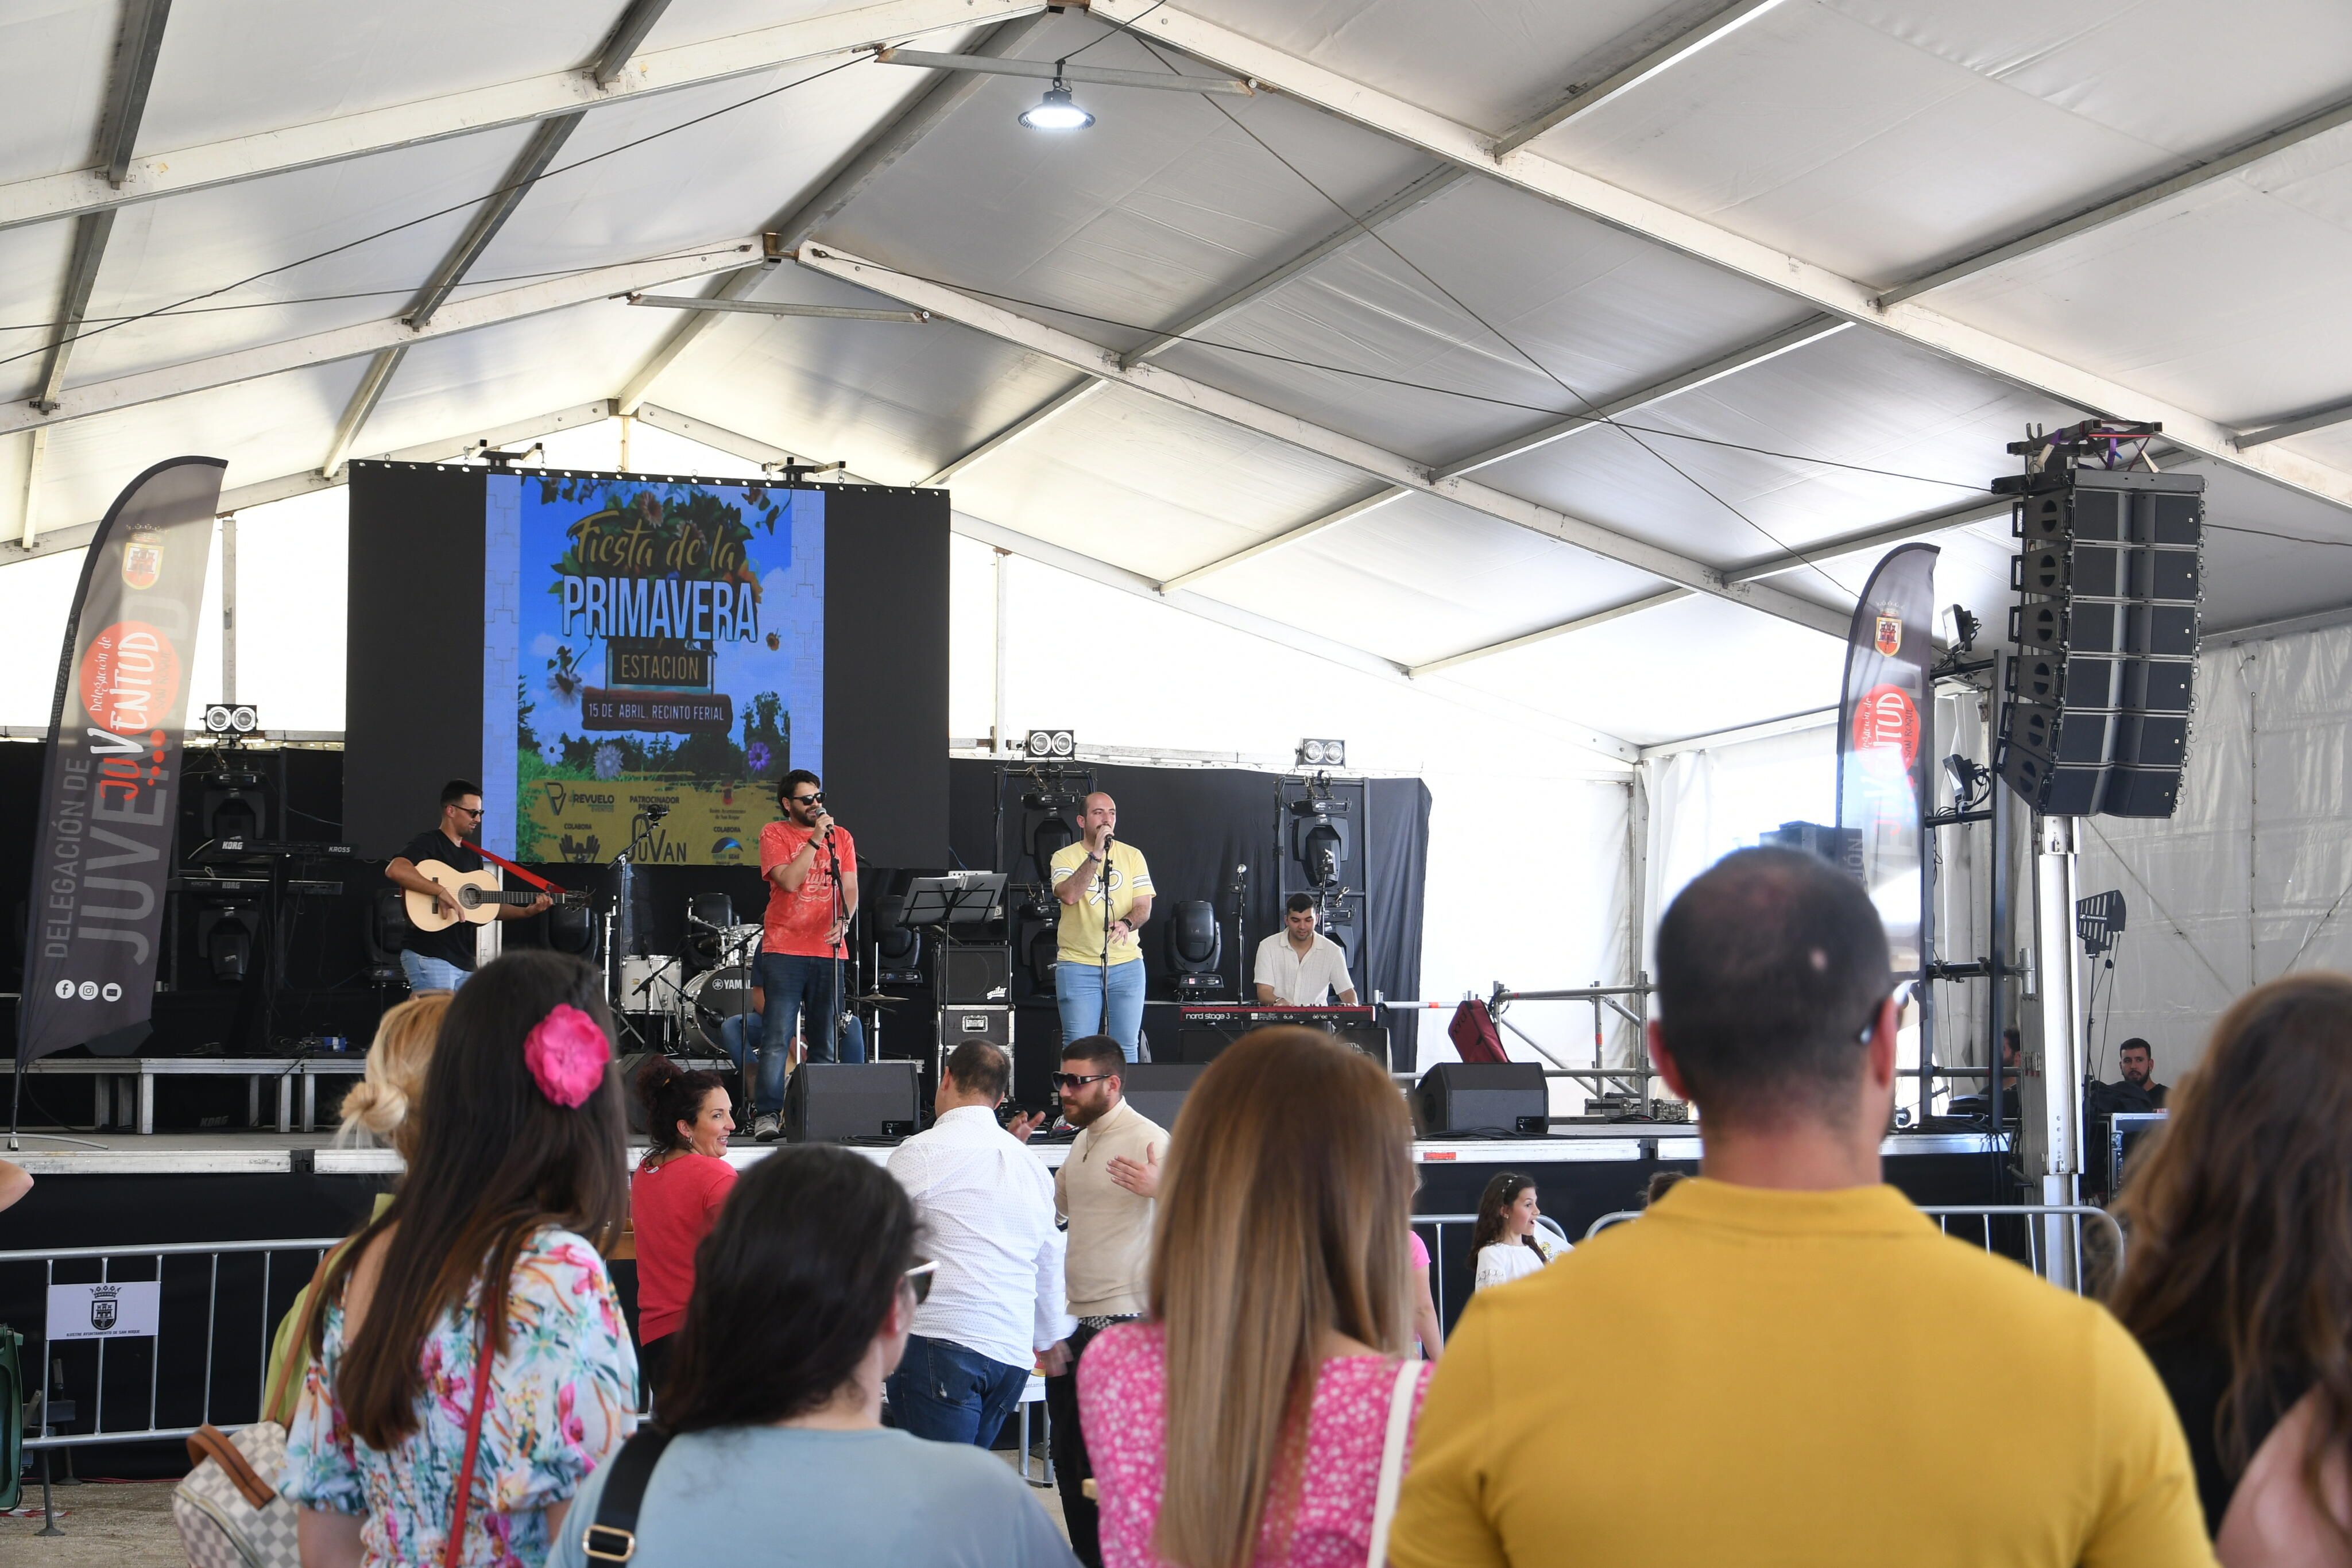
x=443 y=960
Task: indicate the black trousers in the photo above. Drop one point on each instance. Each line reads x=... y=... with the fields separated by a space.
x=1071 y=1467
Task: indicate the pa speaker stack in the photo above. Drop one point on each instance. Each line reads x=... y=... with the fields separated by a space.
x=2100 y=693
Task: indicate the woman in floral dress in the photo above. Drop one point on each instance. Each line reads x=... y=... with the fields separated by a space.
x=491 y=1248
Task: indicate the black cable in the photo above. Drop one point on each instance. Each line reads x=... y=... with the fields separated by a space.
x=454 y=207
x=1116 y=28
x=169 y=313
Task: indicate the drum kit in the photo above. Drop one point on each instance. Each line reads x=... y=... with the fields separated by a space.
x=679 y=1002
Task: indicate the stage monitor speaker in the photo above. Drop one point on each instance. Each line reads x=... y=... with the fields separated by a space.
x=851 y=1101
x=969 y=975
x=1509 y=1098
x=2108 y=578
x=1157 y=1088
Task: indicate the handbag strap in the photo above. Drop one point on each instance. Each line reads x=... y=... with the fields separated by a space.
x=485 y=1352
x=1384 y=1501
x=612 y=1535
x=297 y=1350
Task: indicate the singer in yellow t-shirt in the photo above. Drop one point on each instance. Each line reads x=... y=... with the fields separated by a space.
x=1099 y=878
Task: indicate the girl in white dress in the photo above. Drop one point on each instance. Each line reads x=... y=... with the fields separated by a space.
x=1507 y=1243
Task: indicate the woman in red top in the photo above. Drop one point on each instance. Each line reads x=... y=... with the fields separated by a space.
x=674 y=1199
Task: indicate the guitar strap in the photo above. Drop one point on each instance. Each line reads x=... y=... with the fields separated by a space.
x=533 y=878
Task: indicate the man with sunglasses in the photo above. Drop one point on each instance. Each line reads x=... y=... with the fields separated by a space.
x=1104 y=1190
x=444 y=960
x=804 y=936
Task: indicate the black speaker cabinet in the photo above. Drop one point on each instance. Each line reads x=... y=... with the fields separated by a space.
x=850 y=1101
x=1488 y=1097
x=970 y=975
x=1157 y=1088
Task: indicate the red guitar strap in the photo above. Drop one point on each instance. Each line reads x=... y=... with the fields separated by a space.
x=533 y=878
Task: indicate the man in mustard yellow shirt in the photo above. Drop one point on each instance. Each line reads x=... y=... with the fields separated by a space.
x=1782 y=1361
x=1101 y=880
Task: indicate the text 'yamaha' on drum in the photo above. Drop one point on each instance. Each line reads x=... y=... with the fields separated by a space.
x=717 y=995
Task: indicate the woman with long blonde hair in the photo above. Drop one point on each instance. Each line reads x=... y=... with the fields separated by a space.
x=1247 y=1420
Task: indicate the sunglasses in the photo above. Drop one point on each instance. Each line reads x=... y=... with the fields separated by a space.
x=918 y=1279
x=469 y=811
x=1065 y=1082
x=816 y=799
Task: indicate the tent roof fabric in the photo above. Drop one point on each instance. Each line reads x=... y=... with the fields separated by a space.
x=295 y=172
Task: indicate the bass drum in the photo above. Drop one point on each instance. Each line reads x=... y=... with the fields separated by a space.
x=715 y=996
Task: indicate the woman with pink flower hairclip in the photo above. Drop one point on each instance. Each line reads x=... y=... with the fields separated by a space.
x=470 y=1366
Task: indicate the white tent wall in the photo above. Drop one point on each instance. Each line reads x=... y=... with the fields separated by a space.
x=2248 y=881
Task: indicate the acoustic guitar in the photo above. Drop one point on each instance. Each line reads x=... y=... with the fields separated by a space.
x=478 y=894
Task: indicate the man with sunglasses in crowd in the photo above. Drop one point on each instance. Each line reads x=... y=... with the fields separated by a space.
x=1105 y=1190
x=803 y=938
x=444 y=960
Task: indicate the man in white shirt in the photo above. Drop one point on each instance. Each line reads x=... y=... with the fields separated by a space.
x=996 y=1302
x=1105 y=1190
x=1297 y=967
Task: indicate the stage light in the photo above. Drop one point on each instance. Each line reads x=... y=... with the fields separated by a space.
x=1043 y=743
x=1322 y=753
x=216 y=717
x=1196 y=945
x=225 y=719
x=1057 y=112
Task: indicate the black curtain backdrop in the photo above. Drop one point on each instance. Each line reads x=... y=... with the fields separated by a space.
x=1194 y=825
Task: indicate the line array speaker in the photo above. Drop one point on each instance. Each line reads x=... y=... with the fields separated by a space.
x=2108 y=578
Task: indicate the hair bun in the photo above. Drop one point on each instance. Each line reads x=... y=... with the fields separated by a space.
x=657 y=1074
x=376 y=1109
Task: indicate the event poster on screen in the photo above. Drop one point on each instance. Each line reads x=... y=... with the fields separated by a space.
x=649 y=642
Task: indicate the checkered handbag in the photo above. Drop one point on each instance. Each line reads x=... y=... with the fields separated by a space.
x=229 y=1515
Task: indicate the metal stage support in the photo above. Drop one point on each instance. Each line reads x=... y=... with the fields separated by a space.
x=2051 y=1026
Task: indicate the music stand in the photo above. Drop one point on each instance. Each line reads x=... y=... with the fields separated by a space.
x=964 y=899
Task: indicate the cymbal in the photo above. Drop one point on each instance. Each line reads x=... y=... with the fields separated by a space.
x=878 y=1000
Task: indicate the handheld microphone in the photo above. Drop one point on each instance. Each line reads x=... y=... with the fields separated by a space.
x=656 y=813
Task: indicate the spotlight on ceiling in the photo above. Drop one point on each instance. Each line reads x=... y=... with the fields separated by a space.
x=1057 y=112
x=1322 y=753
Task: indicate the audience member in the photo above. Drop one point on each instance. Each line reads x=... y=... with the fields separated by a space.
x=471 y=1365
x=2136 y=1058
x=1660 y=1184
x=2239 y=1276
x=16 y=1181
x=1246 y=1422
x=1105 y=1190
x=379 y=1110
x=808 y=1285
x=1428 y=1328
x=1507 y=1244
x=987 y=1209
x=1783 y=1325
x=675 y=1198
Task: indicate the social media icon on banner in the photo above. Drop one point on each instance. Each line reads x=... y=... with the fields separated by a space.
x=65 y=991
x=90 y=990
x=110 y=992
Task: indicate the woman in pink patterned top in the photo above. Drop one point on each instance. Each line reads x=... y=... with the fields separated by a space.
x=1242 y=1423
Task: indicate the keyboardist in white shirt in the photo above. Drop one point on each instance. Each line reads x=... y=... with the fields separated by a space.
x=1300 y=968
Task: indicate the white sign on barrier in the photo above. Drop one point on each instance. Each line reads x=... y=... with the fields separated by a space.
x=124 y=1310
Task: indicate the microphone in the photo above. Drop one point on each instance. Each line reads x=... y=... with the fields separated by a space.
x=656 y=813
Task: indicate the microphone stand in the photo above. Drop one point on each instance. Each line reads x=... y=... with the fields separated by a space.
x=625 y=865
x=832 y=960
x=1104 y=1026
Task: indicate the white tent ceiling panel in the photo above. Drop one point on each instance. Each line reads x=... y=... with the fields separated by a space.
x=1488 y=63
x=32 y=260
x=162 y=252
x=264 y=64
x=736 y=169
x=1155 y=489
x=1603 y=313
x=1160 y=208
x=2143 y=300
x=895 y=399
x=1367 y=581
x=1817 y=132
x=1687 y=668
x=59 y=52
x=2254 y=576
x=477 y=380
x=266 y=429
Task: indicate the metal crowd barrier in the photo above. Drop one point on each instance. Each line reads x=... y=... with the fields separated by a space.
x=2054 y=1248
x=1451 y=1275
x=238 y=1310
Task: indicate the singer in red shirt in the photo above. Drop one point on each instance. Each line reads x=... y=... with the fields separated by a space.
x=811 y=864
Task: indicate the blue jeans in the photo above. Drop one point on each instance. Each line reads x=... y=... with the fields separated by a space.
x=800 y=988
x=432 y=974
x=949 y=1395
x=1078 y=988
x=743 y=1037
